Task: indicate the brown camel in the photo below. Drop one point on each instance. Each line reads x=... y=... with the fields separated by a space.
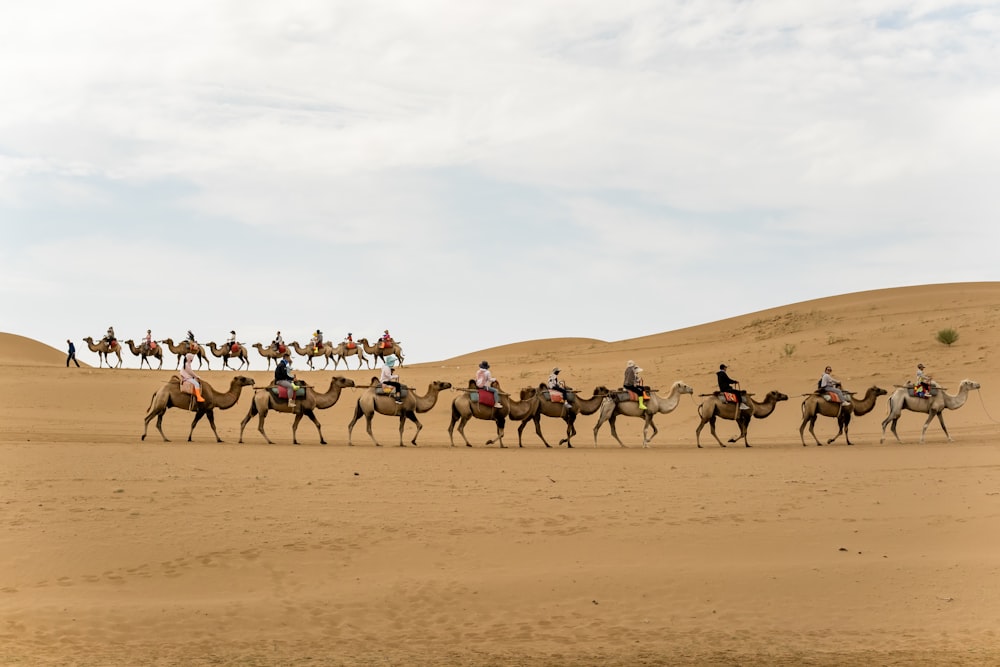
x=144 y=353
x=269 y=353
x=264 y=400
x=655 y=404
x=372 y=402
x=381 y=353
x=171 y=396
x=935 y=405
x=226 y=352
x=713 y=407
x=104 y=351
x=308 y=352
x=463 y=409
x=816 y=404
x=183 y=348
x=341 y=352
x=581 y=406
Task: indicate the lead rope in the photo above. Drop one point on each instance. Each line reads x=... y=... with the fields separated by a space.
x=983 y=403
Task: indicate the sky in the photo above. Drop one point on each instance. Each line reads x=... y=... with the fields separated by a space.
x=472 y=174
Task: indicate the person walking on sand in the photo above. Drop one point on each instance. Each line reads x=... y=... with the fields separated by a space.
x=71 y=354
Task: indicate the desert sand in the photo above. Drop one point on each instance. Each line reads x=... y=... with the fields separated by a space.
x=121 y=552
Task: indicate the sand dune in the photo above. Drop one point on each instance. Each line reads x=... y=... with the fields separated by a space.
x=117 y=551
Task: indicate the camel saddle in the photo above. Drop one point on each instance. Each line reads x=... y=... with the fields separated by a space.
x=282 y=392
x=921 y=390
x=557 y=397
x=388 y=390
x=234 y=348
x=386 y=343
x=282 y=349
x=830 y=396
x=727 y=396
x=187 y=387
x=625 y=395
x=352 y=345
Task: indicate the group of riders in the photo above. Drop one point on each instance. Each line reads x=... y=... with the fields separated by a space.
x=148 y=345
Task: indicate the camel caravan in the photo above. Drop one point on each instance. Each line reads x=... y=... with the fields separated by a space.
x=483 y=398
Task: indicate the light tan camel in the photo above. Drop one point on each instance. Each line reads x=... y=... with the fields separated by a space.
x=713 y=407
x=935 y=405
x=463 y=408
x=816 y=404
x=379 y=353
x=264 y=400
x=182 y=349
x=546 y=408
x=371 y=402
x=171 y=396
x=269 y=353
x=308 y=352
x=342 y=352
x=104 y=351
x=226 y=352
x=143 y=353
x=655 y=404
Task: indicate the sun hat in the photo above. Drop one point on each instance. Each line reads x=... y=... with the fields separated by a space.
x=556 y=370
x=630 y=363
x=484 y=364
x=920 y=365
x=391 y=360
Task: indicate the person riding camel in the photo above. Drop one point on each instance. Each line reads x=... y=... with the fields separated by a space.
x=390 y=379
x=557 y=385
x=316 y=341
x=385 y=341
x=188 y=374
x=148 y=344
x=830 y=384
x=110 y=337
x=728 y=385
x=484 y=380
x=349 y=341
x=925 y=384
x=231 y=343
x=634 y=384
x=283 y=377
x=278 y=343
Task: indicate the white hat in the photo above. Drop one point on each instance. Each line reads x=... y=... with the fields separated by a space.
x=630 y=363
x=638 y=370
x=391 y=360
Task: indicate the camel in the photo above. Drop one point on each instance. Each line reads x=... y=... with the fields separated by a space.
x=104 y=351
x=264 y=400
x=341 y=352
x=309 y=353
x=379 y=353
x=370 y=402
x=226 y=352
x=463 y=409
x=655 y=405
x=171 y=396
x=934 y=405
x=268 y=353
x=815 y=405
x=581 y=406
x=183 y=348
x=143 y=353
x=713 y=407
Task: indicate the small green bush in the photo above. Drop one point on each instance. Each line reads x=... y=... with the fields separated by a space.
x=947 y=336
x=789 y=350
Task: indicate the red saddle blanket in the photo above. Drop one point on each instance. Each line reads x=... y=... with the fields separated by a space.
x=385 y=344
x=833 y=398
x=486 y=397
x=351 y=346
x=234 y=348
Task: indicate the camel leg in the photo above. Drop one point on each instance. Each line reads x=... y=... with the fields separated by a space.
x=350 y=427
x=812 y=430
x=614 y=431
x=159 y=422
x=312 y=417
x=570 y=419
x=412 y=416
x=500 y=433
x=246 y=420
x=368 y=427
x=451 y=425
x=711 y=425
x=940 y=417
x=461 y=429
x=802 y=431
x=647 y=422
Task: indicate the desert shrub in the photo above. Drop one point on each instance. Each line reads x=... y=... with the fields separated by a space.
x=788 y=350
x=947 y=336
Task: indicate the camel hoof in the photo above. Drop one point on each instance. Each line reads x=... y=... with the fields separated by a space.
x=747 y=445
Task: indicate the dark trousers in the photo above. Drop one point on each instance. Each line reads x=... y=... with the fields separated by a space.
x=72 y=357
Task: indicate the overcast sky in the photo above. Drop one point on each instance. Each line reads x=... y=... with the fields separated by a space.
x=470 y=174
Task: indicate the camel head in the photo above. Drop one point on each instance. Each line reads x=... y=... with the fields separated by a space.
x=440 y=385
x=683 y=388
x=341 y=381
x=601 y=390
x=242 y=381
x=531 y=390
x=968 y=385
x=775 y=396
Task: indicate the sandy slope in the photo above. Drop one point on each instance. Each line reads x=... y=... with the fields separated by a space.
x=121 y=552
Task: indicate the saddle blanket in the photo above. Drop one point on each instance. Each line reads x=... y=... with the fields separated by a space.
x=385 y=344
x=833 y=398
x=484 y=396
x=623 y=395
x=282 y=392
x=234 y=348
x=351 y=346
x=187 y=388
x=920 y=391
x=729 y=397
x=555 y=396
x=386 y=390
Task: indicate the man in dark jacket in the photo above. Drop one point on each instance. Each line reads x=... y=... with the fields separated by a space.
x=283 y=377
x=728 y=384
x=71 y=354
